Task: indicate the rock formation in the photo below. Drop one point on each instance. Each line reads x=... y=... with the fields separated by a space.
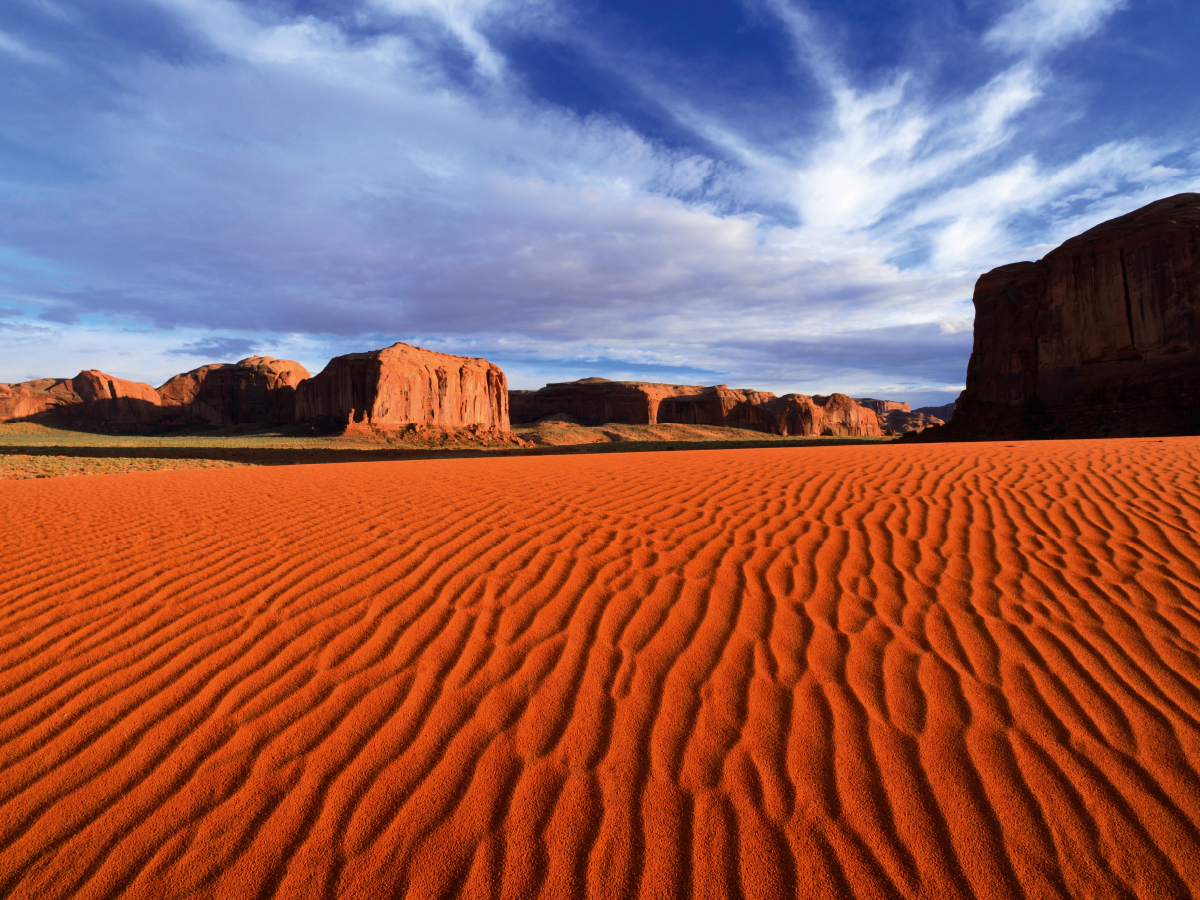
x=945 y=413
x=1100 y=337
x=882 y=407
x=260 y=390
x=32 y=398
x=900 y=422
x=596 y=401
x=402 y=385
x=91 y=398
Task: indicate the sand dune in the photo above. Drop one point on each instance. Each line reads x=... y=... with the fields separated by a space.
x=886 y=671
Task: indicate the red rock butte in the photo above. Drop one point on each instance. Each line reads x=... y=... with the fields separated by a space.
x=402 y=385
x=1100 y=337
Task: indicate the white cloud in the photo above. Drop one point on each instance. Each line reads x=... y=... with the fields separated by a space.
x=1039 y=25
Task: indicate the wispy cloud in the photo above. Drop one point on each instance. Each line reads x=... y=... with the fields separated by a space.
x=215 y=348
x=1039 y=25
x=18 y=49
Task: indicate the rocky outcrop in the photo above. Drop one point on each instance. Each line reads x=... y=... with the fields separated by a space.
x=596 y=401
x=721 y=406
x=900 y=422
x=260 y=390
x=91 y=398
x=945 y=413
x=107 y=401
x=402 y=385
x=1100 y=337
x=33 y=398
x=882 y=407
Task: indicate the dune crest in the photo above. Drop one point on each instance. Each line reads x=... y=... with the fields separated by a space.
x=958 y=670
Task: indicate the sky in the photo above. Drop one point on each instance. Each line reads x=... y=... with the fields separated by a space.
x=784 y=195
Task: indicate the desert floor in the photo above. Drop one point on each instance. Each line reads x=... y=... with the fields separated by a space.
x=861 y=671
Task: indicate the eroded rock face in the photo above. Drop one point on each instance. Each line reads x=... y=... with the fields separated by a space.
x=91 y=398
x=108 y=401
x=594 y=401
x=900 y=422
x=882 y=407
x=28 y=399
x=719 y=405
x=402 y=385
x=1102 y=336
x=945 y=412
x=259 y=390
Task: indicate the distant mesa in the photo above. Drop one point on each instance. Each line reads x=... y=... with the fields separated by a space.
x=881 y=407
x=945 y=413
x=901 y=422
x=593 y=401
x=1099 y=338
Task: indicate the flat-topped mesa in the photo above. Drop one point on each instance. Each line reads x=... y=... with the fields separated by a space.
x=594 y=401
x=1100 y=337
x=259 y=390
x=402 y=385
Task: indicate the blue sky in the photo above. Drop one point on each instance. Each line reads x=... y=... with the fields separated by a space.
x=772 y=194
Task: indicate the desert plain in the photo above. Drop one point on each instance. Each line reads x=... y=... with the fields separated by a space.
x=944 y=670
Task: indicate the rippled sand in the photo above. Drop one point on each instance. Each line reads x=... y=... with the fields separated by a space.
x=884 y=671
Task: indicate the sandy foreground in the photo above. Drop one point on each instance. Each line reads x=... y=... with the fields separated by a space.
x=880 y=671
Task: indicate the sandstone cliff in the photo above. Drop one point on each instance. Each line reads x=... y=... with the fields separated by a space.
x=402 y=385
x=260 y=390
x=595 y=401
x=32 y=398
x=900 y=422
x=945 y=412
x=1102 y=336
x=882 y=407
x=91 y=398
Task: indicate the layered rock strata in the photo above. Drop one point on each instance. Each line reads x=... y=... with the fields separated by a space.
x=595 y=401
x=1100 y=337
x=403 y=385
x=259 y=390
x=882 y=407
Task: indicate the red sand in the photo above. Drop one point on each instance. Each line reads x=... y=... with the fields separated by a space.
x=932 y=671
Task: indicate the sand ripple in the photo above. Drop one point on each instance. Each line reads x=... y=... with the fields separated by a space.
x=934 y=671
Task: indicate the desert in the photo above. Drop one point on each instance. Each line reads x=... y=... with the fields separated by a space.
x=964 y=670
x=567 y=450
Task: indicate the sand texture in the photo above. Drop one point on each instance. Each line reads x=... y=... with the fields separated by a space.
x=935 y=671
